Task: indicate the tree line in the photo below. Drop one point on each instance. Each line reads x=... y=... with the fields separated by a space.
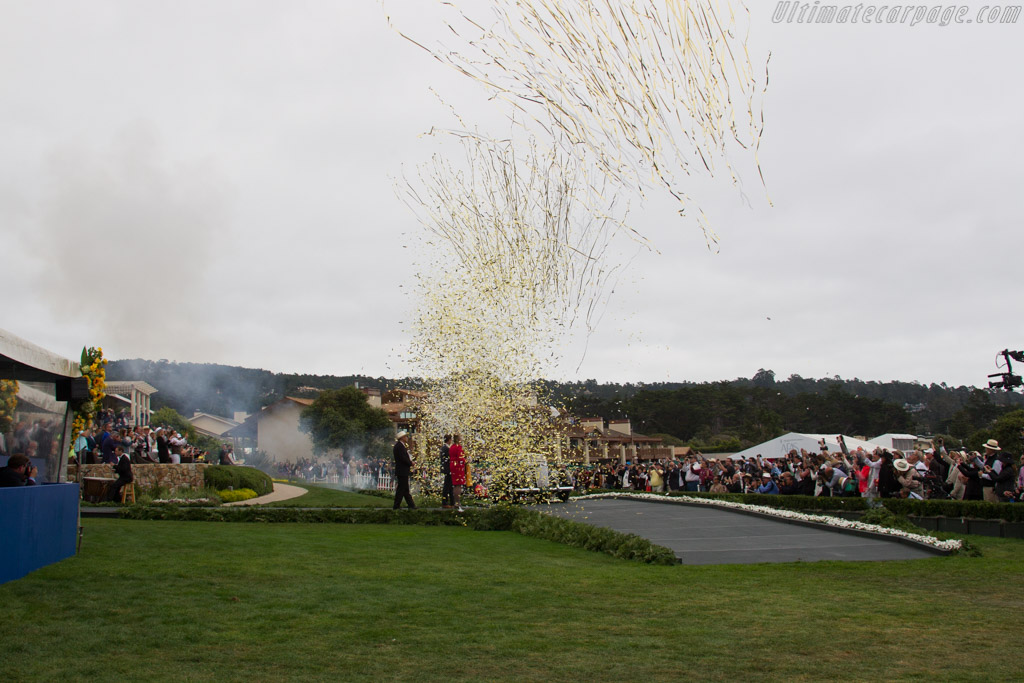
x=721 y=415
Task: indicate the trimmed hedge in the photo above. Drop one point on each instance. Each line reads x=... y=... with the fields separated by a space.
x=222 y=477
x=496 y=518
x=797 y=503
x=598 y=539
x=968 y=509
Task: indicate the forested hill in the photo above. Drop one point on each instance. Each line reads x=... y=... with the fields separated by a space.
x=225 y=389
x=746 y=410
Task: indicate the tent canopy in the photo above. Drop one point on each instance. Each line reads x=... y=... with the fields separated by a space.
x=23 y=360
x=780 y=446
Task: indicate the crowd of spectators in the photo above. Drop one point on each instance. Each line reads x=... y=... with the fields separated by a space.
x=143 y=444
x=991 y=475
x=364 y=472
x=32 y=438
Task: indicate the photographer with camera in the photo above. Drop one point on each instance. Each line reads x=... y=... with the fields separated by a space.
x=19 y=472
x=910 y=479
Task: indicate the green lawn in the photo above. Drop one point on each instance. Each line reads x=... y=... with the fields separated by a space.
x=323 y=496
x=262 y=602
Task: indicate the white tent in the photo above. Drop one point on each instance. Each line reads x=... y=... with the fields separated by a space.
x=780 y=446
x=903 y=442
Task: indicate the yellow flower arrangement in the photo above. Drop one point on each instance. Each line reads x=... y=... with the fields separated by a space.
x=8 y=403
x=92 y=366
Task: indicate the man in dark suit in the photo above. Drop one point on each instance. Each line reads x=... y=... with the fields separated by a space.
x=447 y=492
x=403 y=468
x=123 y=470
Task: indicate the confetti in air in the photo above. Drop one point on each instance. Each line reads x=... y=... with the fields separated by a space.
x=606 y=97
x=649 y=92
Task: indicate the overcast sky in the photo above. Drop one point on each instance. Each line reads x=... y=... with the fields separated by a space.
x=212 y=181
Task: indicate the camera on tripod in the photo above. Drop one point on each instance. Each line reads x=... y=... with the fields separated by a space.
x=1008 y=380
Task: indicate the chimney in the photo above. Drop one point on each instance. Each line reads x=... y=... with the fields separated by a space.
x=240 y=416
x=372 y=396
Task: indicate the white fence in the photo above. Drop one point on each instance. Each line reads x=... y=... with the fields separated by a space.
x=381 y=482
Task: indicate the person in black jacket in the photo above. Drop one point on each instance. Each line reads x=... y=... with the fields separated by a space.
x=403 y=468
x=163 y=453
x=447 y=492
x=123 y=470
x=18 y=472
x=971 y=474
x=888 y=485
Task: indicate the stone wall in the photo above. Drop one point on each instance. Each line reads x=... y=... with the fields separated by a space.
x=169 y=476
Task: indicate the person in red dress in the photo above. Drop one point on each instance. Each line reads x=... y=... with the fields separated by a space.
x=457 y=465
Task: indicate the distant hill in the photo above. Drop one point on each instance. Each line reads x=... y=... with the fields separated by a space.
x=225 y=389
x=746 y=409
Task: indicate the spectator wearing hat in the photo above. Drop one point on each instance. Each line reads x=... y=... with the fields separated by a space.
x=829 y=478
x=909 y=478
x=768 y=485
x=990 y=470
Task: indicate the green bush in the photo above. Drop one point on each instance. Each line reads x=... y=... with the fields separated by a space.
x=232 y=496
x=884 y=517
x=599 y=539
x=973 y=509
x=222 y=477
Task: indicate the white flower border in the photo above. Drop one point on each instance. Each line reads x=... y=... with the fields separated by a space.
x=837 y=522
x=185 y=501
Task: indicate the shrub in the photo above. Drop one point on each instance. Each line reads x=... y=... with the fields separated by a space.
x=600 y=539
x=974 y=509
x=222 y=477
x=229 y=496
x=884 y=517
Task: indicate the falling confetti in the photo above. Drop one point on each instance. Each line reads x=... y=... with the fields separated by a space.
x=649 y=92
x=605 y=97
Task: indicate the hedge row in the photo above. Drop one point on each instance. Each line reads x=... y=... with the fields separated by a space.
x=972 y=509
x=496 y=518
x=222 y=477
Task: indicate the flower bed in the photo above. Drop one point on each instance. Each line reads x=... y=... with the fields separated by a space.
x=947 y=546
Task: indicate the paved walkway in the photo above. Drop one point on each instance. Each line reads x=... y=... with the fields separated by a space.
x=280 y=492
x=700 y=534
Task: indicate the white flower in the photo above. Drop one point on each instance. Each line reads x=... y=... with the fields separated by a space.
x=184 y=501
x=787 y=514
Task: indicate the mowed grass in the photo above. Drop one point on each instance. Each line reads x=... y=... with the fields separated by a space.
x=264 y=602
x=323 y=496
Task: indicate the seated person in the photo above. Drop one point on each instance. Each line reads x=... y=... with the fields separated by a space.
x=19 y=472
x=123 y=470
x=224 y=457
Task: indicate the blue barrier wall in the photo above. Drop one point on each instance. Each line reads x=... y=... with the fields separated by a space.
x=38 y=526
